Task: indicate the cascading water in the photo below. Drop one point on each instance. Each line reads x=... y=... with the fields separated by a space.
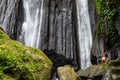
x=84 y=32
x=32 y=23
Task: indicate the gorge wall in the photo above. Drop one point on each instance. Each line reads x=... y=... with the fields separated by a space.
x=59 y=32
x=8 y=16
x=56 y=22
x=106 y=37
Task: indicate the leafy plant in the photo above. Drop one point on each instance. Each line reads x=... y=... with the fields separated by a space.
x=108 y=12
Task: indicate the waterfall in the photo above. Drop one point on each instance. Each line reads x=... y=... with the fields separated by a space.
x=84 y=32
x=55 y=21
x=31 y=26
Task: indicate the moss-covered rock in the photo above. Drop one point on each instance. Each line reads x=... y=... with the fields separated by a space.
x=3 y=37
x=108 y=12
x=107 y=71
x=93 y=72
x=115 y=69
x=18 y=62
x=67 y=73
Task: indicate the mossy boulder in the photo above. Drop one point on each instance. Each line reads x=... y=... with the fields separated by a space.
x=18 y=62
x=107 y=71
x=67 y=73
x=115 y=69
x=93 y=72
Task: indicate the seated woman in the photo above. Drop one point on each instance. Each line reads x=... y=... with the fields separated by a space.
x=105 y=58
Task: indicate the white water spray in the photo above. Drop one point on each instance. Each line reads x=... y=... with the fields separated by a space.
x=32 y=24
x=85 y=35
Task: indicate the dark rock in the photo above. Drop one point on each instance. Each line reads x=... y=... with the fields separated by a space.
x=59 y=60
x=93 y=59
x=59 y=32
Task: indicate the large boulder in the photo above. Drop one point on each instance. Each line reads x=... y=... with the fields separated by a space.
x=107 y=71
x=18 y=62
x=93 y=72
x=115 y=69
x=67 y=73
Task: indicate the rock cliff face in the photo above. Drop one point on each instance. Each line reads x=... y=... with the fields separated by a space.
x=60 y=32
x=118 y=28
x=107 y=31
x=58 y=26
x=91 y=4
x=97 y=48
x=9 y=15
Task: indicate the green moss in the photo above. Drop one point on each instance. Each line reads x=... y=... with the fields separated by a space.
x=38 y=53
x=3 y=37
x=22 y=63
x=108 y=12
x=39 y=56
x=105 y=65
x=93 y=59
x=67 y=73
x=115 y=68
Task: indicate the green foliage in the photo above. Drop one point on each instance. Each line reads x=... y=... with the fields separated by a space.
x=3 y=37
x=112 y=35
x=22 y=63
x=105 y=66
x=108 y=12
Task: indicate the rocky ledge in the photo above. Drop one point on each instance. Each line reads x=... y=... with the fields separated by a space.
x=108 y=71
